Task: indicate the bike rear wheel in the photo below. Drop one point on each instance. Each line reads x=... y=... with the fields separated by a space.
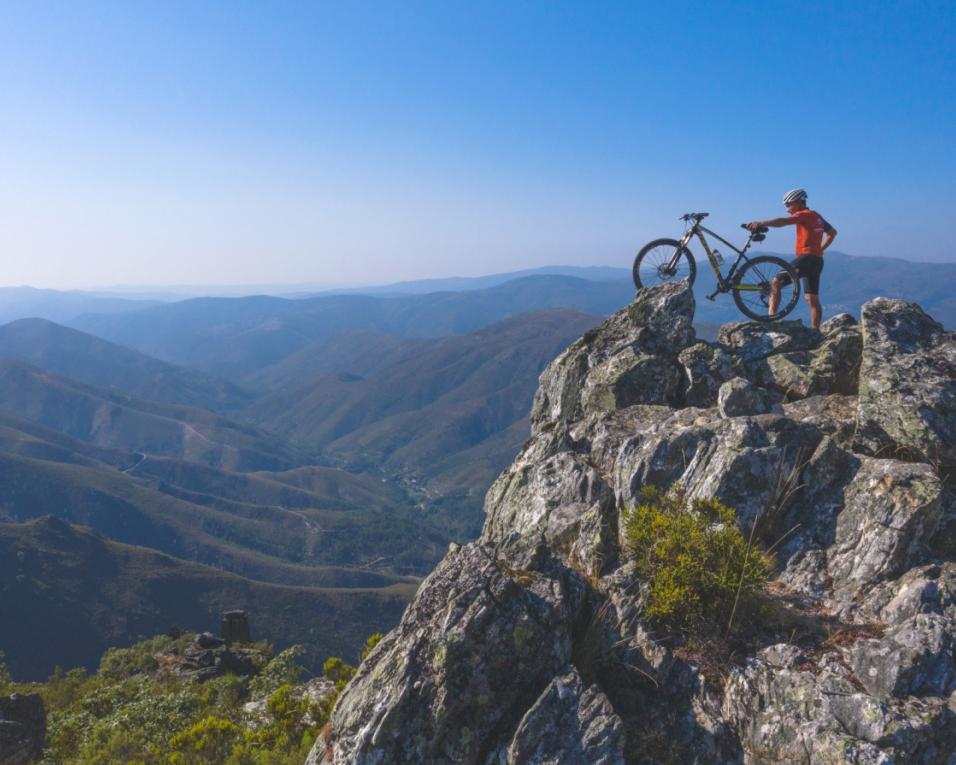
x=661 y=262
x=752 y=288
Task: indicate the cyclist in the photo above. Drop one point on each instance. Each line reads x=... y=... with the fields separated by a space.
x=814 y=235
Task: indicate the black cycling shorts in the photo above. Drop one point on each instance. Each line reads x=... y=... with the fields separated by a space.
x=808 y=268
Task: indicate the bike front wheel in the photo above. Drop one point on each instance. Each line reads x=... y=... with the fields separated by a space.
x=752 y=288
x=661 y=262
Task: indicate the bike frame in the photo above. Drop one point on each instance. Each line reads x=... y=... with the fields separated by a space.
x=724 y=284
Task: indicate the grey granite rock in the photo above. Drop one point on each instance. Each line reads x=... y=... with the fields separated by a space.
x=891 y=512
x=570 y=724
x=831 y=367
x=741 y=398
x=631 y=358
x=706 y=367
x=907 y=384
x=476 y=647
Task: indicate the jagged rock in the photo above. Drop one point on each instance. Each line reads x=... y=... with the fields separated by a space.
x=833 y=414
x=921 y=590
x=789 y=707
x=209 y=656
x=631 y=358
x=706 y=367
x=832 y=367
x=569 y=724
x=22 y=728
x=669 y=710
x=741 y=398
x=561 y=502
x=751 y=341
x=915 y=658
x=739 y=460
x=629 y=377
x=907 y=384
x=476 y=647
x=891 y=512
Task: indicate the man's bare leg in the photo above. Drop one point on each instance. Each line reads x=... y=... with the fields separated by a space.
x=816 y=312
x=774 y=296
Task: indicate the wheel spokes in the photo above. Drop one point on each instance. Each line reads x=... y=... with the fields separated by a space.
x=664 y=264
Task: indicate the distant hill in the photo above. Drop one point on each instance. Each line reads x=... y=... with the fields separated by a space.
x=465 y=283
x=423 y=404
x=89 y=359
x=67 y=594
x=61 y=306
x=311 y=526
x=234 y=338
x=360 y=353
x=108 y=417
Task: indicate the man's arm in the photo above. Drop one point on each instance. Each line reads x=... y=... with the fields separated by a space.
x=828 y=236
x=773 y=223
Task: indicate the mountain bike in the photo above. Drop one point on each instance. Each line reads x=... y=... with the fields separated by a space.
x=668 y=260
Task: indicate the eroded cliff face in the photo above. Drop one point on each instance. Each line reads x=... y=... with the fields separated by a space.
x=528 y=645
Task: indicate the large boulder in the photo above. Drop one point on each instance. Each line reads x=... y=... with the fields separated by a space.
x=560 y=502
x=907 y=403
x=891 y=512
x=475 y=649
x=630 y=359
x=570 y=724
x=741 y=398
x=789 y=706
x=831 y=367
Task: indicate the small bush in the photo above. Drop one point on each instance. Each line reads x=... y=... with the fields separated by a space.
x=373 y=640
x=698 y=567
x=284 y=669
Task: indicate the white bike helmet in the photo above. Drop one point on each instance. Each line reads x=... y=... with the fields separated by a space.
x=796 y=195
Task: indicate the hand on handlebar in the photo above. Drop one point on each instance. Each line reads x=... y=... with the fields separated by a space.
x=753 y=226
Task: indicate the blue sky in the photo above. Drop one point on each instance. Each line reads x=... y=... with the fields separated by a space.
x=168 y=143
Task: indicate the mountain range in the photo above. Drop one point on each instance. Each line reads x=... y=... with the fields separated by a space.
x=335 y=442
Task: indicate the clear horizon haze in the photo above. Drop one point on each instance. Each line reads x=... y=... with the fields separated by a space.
x=369 y=142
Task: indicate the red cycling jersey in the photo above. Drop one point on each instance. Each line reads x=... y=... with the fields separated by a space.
x=810 y=230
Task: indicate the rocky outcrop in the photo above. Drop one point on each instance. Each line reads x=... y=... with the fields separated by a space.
x=22 y=729
x=208 y=656
x=529 y=645
x=907 y=385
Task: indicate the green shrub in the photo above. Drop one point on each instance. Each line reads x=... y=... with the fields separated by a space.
x=140 y=659
x=284 y=669
x=373 y=640
x=209 y=740
x=698 y=567
x=338 y=671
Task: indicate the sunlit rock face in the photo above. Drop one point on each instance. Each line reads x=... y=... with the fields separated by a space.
x=836 y=448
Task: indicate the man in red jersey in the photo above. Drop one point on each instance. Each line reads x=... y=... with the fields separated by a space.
x=814 y=235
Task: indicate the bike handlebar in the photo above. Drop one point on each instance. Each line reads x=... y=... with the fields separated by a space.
x=698 y=216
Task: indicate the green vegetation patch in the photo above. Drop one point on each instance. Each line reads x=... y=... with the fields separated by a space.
x=700 y=570
x=136 y=709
